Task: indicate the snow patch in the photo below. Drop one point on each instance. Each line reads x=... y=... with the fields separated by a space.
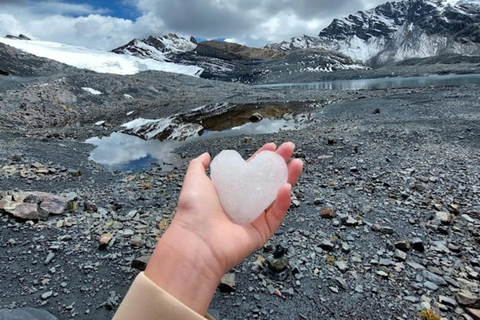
x=96 y=60
x=91 y=91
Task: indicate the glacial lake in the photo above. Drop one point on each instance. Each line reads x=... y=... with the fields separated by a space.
x=384 y=83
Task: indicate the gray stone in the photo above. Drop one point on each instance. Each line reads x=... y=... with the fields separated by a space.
x=385 y=262
x=445 y=218
x=430 y=286
x=447 y=301
x=341 y=265
x=25 y=314
x=47 y=295
x=327 y=245
x=49 y=257
x=400 y=255
x=411 y=299
x=140 y=263
x=359 y=289
x=227 y=283
x=433 y=278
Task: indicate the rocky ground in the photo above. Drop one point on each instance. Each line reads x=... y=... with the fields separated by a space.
x=385 y=220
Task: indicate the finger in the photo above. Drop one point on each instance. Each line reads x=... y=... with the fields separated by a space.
x=204 y=159
x=266 y=147
x=295 y=168
x=286 y=150
x=277 y=212
x=197 y=167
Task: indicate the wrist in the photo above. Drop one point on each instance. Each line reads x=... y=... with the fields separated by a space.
x=180 y=265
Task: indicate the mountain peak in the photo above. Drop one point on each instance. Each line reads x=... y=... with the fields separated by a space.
x=158 y=47
x=399 y=30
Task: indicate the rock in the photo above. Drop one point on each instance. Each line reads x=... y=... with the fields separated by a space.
x=49 y=257
x=385 y=262
x=74 y=172
x=447 y=301
x=90 y=206
x=411 y=299
x=382 y=229
x=351 y=221
x=140 y=263
x=475 y=313
x=417 y=245
x=27 y=211
x=128 y=232
x=26 y=314
x=433 y=278
x=256 y=117
x=382 y=274
x=430 y=286
x=445 y=218
x=342 y=283
x=359 y=289
x=53 y=204
x=403 y=245
x=468 y=299
x=327 y=213
x=341 y=265
x=327 y=245
x=227 y=283
x=104 y=240
x=400 y=255
x=46 y=295
x=137 y=242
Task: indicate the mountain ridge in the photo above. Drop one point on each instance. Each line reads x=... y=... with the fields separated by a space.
x=395 y=31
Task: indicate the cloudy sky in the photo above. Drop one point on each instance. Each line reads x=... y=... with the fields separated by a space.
x=106 y=24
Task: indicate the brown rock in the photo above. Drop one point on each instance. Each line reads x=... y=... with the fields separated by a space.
x=475 y=313
x=28 y=211
x=53 y=204
x=105 y=239
x=327 y=213
x=468 y=299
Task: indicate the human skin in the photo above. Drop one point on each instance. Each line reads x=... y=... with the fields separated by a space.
x=202 y=243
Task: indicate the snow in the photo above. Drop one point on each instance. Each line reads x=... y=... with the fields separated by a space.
x=92 y=91
x=96 y=60
x=128 y=96
x=99 y=123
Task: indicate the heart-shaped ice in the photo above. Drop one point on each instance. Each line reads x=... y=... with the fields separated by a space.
x=246 y=189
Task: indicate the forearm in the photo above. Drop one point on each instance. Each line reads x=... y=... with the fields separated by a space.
x=179 y=267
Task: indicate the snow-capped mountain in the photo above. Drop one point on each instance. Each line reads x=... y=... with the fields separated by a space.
x=96 y=60
x=158 y=48
x=396 y=31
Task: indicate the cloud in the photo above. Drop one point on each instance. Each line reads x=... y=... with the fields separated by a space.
x=252 y=22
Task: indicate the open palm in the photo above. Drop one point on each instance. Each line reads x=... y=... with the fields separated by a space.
x=201 y=215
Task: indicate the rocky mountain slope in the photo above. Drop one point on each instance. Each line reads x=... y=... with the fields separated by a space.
x=158 y=48
x=234 y=62
x=396 y=31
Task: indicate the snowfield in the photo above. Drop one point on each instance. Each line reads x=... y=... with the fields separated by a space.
x=96 y=60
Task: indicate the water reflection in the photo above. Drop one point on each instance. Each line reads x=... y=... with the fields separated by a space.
x=124 y=152
x=385 y=83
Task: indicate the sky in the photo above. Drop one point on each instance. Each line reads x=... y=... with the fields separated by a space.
x=105 y=24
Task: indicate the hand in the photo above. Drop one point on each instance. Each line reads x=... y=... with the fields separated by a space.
x=202 y=243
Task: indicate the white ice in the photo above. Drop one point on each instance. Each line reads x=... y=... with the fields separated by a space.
x=97 y=60
x=246 y=189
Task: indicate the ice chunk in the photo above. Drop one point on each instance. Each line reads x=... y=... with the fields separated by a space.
x=246 y=189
